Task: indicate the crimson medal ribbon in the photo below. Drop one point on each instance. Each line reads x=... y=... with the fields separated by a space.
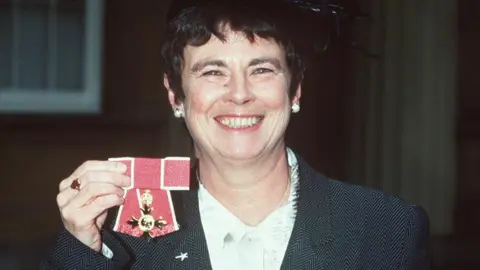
x=148 y=208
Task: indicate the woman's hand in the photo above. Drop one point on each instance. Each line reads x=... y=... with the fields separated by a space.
x=84 y=210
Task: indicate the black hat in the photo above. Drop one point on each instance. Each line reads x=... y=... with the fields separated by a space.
x=178 y=5
x=328 y=16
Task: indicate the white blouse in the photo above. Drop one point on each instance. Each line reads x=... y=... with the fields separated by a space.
x=233 y=245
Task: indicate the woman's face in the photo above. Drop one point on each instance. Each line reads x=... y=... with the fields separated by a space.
x=236 y=96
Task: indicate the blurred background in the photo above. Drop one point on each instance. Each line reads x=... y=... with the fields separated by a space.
x=82 y=80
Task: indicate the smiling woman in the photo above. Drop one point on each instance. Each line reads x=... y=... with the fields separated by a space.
x=233 y=73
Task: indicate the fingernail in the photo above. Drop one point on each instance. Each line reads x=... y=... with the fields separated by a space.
x=122 y=166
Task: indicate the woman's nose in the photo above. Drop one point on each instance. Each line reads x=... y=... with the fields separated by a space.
x=239 y=90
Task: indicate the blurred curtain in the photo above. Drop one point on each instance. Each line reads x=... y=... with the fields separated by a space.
x=403 y=110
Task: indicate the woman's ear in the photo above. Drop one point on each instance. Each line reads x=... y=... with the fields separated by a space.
x=171 y=93
x=298 y=94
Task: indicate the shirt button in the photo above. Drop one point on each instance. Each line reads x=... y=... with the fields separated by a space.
x=228 y=238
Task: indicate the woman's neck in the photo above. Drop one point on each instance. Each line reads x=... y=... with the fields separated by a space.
x=251 y=191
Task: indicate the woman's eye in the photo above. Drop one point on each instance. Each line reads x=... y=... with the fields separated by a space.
x=212 y=73
x=262 y=71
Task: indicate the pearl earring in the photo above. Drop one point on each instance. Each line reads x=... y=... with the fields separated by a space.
x=178 y=113
x=295 y=108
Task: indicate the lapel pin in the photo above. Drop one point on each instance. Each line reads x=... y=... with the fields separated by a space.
x=182 y=256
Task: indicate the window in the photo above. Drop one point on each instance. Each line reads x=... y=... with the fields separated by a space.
x=50 y=56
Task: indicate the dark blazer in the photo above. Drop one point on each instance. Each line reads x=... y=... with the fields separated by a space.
x=338 y=226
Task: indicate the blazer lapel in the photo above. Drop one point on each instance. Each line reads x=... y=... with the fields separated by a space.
x=312 y=229
x=186 y=248
x=190 y=239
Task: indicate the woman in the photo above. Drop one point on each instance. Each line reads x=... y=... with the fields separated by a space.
x=233 y=74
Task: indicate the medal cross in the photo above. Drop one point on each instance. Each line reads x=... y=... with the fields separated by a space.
x=147 y=222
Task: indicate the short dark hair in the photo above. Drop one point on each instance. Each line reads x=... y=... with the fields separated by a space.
x=195 y=26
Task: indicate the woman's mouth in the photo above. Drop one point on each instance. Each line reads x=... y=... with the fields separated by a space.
x=237 y=122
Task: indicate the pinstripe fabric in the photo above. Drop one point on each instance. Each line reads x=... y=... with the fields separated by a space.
x=338 y=226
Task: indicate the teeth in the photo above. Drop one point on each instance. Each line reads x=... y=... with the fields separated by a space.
x=237 y=122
